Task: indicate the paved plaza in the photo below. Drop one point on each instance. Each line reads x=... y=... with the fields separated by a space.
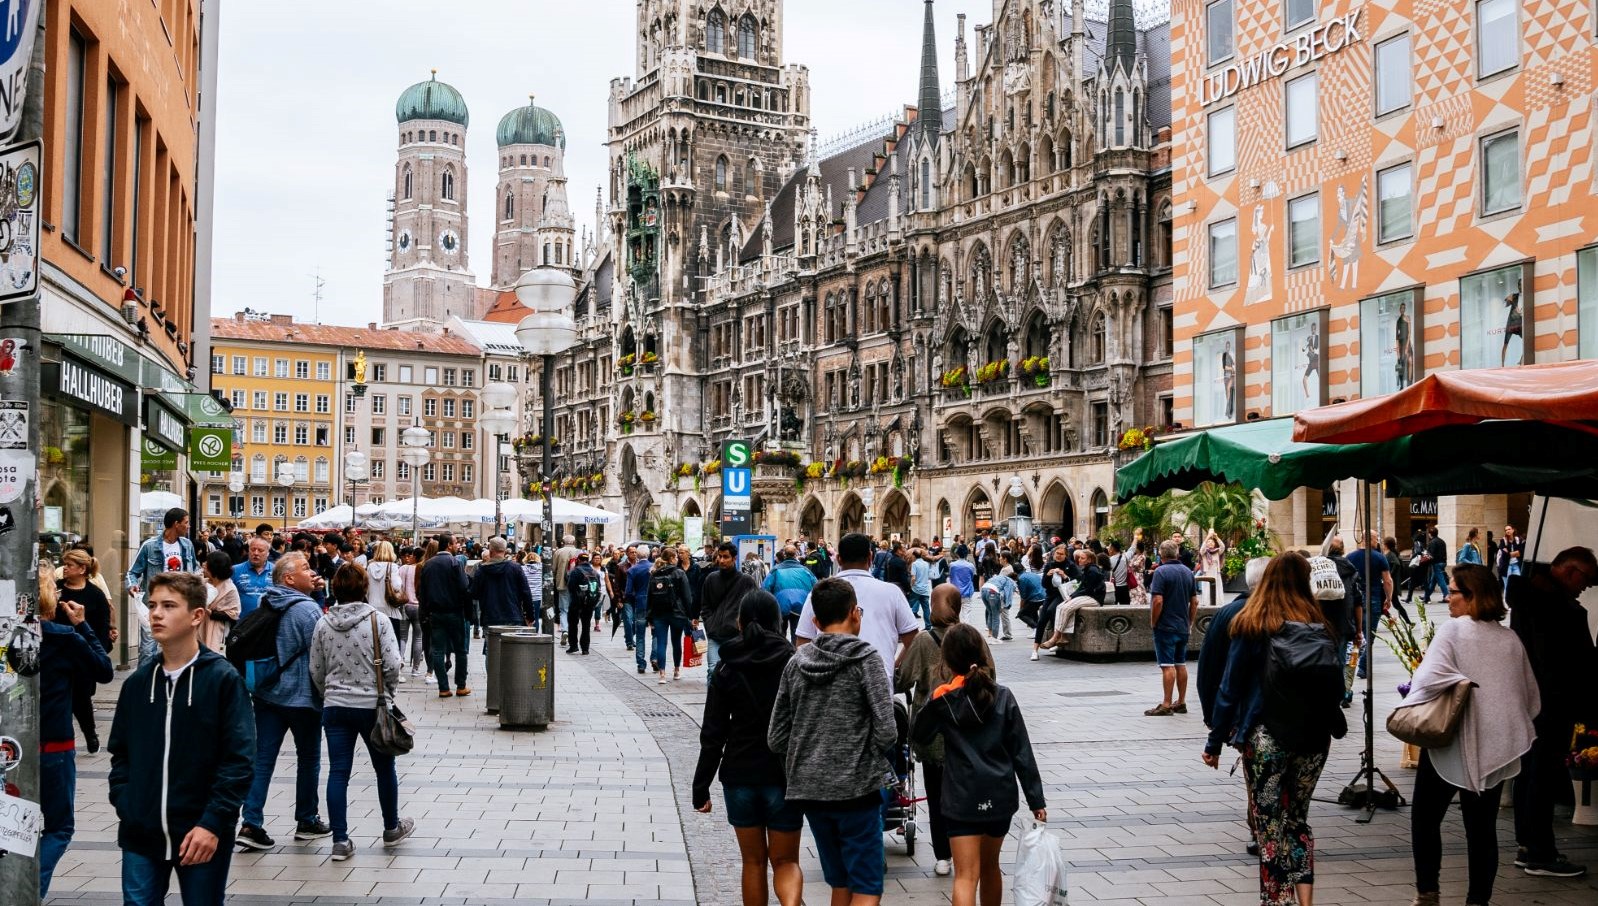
x=595 y=809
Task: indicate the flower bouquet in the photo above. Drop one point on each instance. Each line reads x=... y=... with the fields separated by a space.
x=954 y=380
x=712 y=467
x=625 y=364
x=993 y=371
x=1037 y=369
x=1583 y=757
x=647 y=416
x=1137 y=439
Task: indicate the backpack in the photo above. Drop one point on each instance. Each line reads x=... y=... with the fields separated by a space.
x=583 y=586
x=252 y=648
x=1303 y=688
x=662 y=593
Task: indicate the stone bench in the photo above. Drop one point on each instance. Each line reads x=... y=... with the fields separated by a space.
x=1122 y=633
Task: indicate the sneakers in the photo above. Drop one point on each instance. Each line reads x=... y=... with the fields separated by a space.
x=252 y=837
x=314 y=829
x=342 y=849
x=995 y=640
x=402 y=676
x=943 y=868
x=405 y=829
x=1034 y=654
x=1521 y=857
x=1252 y=848
x=1560 y=867
x=1430 y=898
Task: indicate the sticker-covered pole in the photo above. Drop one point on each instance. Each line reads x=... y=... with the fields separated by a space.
x=19 y=584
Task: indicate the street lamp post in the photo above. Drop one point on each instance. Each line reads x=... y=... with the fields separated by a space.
x=498 y=400
x=413 y=442
x=550 y=293
x=868 y=496
x=235 y=486
x=285 y=480
x=1020 y=526
x=356 y=470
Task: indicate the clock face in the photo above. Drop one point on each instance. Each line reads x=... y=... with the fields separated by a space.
x=449 y=241
x=405 y=240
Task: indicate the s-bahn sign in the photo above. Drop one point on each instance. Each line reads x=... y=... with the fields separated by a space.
x=1302 y=49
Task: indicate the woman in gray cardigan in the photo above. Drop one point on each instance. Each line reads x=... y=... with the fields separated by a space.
x=344 y=669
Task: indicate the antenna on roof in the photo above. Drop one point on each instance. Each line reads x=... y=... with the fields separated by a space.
x=316 y=295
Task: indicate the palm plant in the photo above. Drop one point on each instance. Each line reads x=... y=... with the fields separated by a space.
x=1152 y=515
x=661 y=528
x=1226 y=509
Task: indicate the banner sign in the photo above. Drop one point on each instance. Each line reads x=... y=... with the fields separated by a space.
x=92 y=388
x=155 y=458
x=736 y=501
x=735 y=454
x=211 y=448
x=693 y=532
x=163 y=424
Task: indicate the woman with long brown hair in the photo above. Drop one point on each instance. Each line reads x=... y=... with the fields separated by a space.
x=1283 y=731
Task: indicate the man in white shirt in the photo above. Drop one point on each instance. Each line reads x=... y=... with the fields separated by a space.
x=885 y=617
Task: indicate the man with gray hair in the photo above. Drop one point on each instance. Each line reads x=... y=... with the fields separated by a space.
x=500 y=589
x=1174 y=601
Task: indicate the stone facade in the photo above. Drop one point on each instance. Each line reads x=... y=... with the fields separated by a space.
x=837 y=308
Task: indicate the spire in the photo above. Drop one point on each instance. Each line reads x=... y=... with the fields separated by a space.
x=1121 y=45
x=929 y=118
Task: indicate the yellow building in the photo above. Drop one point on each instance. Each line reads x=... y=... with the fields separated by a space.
x=287 y=383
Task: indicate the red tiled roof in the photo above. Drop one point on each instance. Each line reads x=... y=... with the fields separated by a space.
x=285 y=331
x=507 y=310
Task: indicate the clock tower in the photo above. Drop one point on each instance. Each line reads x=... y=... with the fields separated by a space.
x=428 y=277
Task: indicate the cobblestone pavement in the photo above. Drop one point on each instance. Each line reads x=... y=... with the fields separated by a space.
x=595 y=809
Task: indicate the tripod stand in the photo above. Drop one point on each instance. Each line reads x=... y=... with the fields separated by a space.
x=1357 y=795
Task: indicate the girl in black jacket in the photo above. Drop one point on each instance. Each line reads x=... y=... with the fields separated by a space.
x=732 y=739
x=669 y=612
x=986 y=750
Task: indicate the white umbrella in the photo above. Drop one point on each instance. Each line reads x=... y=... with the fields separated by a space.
x=337 y=517
x=570 y=512
x=154 y=504
x=368 y=509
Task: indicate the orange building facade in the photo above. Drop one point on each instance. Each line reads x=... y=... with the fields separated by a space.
x=1369 y=192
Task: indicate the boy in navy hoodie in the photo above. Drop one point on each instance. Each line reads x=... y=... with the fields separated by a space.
x=182 y=748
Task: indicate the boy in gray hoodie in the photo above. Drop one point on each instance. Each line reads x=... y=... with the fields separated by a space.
x=833 y=723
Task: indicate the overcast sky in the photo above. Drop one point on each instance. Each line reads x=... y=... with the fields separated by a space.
x=306 y=130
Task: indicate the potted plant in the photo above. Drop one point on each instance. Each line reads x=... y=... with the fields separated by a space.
x=648 y=358
x=625 y=364
x=993 y=371
x=954 y=381
x=647 y=416
x=1136 y=439
x=1037 y=369
x=1583 y=764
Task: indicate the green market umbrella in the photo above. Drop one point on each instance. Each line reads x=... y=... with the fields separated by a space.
x=1486 y=458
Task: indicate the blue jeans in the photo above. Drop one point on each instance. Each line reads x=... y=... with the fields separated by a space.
x=343 y=726
x=640 y=625
x=1436 y=577
x=449 y=641
x=921 y=606
x=563 y=603
x=145 y=880
x=58 y=787
x=712 y=657
x=993 y=605
x=1373 y=623
x=675 y=627
x=272 y=723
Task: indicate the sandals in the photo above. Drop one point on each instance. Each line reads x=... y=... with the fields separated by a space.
x=1160 y=710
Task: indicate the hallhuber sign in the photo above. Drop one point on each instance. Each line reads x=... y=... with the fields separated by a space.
x=1306 y=47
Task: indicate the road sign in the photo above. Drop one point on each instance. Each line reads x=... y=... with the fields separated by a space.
x=736 y=500
x=19 y=218
x=735 y=454
x=18 y=29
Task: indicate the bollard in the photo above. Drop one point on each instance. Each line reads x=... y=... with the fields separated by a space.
x=526 y=680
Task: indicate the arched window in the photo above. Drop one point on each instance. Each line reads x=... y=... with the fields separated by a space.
x=546 y=161
x=721 y=174
x=447 y=186
x=1120 y=118
x=716 y=32
x=546 y=253
x=407 y=181
x=510 y=206
x=926 y=184
x=746 y=37
x=524 y=160
x=1096 y=340
x=432 y=135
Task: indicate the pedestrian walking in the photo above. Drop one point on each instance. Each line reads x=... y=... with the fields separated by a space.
x=1436 y=564
x=500 y=589
x=186 y=706
x=222 y=601
x=441 y=590
x=986 y=751
x=833 y=724
x=564 y=557
x=1494 y=731
x=637 y=612
x=344 y=669
x=286 y=703
x=732 y=742
x=920 y=596
x=253 y=576
x=170 y=551
x=790 y=583
x=78 y=569
x=1212 y=666
x=997 y=593
x=1552 y=624
x=963 y=575
x=1471 y=550
x=385 y=588
x=1281 y=719
x=886 y=622
x=718 y=606
x=70 y=658
x=413 y=640
x=1380 y=596
x=1174 y=596
x=920 y=672
x=670 y=613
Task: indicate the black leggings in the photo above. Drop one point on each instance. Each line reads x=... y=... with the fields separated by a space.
x=1480 y=811
x=932 y=775
x=83 y=706
x=579 y=617
x=1045 y=619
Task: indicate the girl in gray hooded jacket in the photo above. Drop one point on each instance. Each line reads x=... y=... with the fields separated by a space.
x=344 y=668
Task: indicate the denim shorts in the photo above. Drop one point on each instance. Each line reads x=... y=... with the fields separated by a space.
x=849 y=844
x=1170 y=648
x=761 y=806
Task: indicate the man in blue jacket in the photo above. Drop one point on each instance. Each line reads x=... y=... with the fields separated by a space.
x=186 y=707
x=637 y=594
x=254 y=576
x=289 y=704
x=790 y=583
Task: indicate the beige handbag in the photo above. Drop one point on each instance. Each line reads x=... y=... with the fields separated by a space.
x=1432 y=724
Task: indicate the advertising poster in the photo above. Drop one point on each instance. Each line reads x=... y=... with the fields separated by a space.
x=1493 y=322
x=1217 y=373
x=1389 y=343
x=1298 y=362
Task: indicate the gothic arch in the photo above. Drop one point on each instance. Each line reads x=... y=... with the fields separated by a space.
x=405 y=178
x=995 y=340
x=851 y=514
x=812 y=518
x=1010 y=506
x=716 y=31
x=895 y=516
x=1100 y=513
x=975 y=498
x=1056 y=514
x=1036 y=339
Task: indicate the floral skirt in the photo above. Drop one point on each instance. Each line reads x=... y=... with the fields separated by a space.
x=1281 y=783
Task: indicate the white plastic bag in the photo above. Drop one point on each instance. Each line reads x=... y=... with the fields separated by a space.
x=1039 y=869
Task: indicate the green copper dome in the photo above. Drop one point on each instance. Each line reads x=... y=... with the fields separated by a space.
x=531 y=125
x=432 y=100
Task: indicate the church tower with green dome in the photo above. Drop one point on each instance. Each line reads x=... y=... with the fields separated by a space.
x=533 y=222
x=429 y=278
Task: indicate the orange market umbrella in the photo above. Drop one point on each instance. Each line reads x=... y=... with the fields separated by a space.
x=1564 y=394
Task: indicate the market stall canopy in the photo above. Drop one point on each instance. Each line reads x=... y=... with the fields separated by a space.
x=1487 y=458
x=336 y=517
x=154 y=504
x=1565 y=393
x=570 y=512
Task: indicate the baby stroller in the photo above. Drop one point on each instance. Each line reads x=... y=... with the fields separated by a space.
x=899 y=794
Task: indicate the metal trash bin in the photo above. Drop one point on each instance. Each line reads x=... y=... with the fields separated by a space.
x=526 y=679
x=491 y=702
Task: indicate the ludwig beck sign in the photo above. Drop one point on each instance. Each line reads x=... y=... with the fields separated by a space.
x=1302 y=49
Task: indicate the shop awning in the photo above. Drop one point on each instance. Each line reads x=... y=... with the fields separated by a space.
x=1563 y=393
x=1487 y=458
